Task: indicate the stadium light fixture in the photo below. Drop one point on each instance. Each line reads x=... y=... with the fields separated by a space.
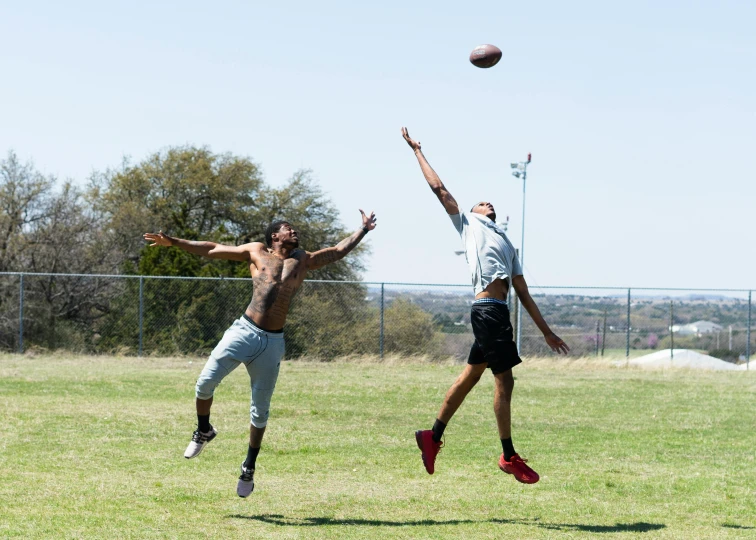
x=520 y=170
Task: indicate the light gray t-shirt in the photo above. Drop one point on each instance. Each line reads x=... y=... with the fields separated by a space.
x=489 y=253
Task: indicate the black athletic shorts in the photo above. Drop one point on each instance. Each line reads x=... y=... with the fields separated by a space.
x=494 y=342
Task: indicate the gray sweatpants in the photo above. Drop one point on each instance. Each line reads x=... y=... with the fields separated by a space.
x=260 y=351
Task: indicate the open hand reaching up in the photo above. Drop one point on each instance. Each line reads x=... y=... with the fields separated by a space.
x=415 y=145
x=368 y=221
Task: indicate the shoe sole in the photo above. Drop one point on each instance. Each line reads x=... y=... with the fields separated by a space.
x=520 y=481
x=197 y=454
x=247 y=495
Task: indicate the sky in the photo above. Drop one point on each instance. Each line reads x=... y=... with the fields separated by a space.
x=640 y=116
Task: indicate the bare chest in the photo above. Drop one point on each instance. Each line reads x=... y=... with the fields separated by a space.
x=283 y=271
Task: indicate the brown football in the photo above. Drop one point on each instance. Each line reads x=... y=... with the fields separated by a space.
x=485 y=56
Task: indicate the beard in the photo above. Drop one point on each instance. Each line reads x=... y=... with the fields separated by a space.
x=492 y=216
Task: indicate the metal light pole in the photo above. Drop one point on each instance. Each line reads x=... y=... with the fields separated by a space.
x=520 y=170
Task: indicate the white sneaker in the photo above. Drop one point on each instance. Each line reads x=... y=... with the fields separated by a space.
x=246 y=483
x=198 y=442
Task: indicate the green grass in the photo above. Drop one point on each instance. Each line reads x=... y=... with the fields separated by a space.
x=92 y=448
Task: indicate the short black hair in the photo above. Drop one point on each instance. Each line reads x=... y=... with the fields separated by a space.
x=274 y=227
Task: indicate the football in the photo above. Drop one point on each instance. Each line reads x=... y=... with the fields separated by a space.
x=485 y=56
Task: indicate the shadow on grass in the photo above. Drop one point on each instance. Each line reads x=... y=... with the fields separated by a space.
x=278 y=519
x=730 y=526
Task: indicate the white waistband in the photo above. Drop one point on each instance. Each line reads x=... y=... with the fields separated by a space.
x=489 y=301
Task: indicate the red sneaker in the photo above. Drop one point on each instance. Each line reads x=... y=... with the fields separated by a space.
x=518 y=469
x=428 y=447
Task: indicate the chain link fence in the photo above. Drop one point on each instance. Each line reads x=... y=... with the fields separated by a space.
x=141 y=315
x=628 y=322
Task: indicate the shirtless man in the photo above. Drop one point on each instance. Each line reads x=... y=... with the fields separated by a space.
x=256 y=339
x=493 y=265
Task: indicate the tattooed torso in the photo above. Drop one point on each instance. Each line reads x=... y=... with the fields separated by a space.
x=275 y=281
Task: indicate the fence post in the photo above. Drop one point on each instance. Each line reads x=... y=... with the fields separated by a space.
x=141 y=311
x=598 y=327
x=627 y=336
x=748 y=334
x=672 y=329
x=21 y=316
x=380 y=343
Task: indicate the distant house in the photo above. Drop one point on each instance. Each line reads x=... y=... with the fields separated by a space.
x=696 y=328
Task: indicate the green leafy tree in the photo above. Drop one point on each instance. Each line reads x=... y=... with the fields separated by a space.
x=187 y=192
x=409 y=330
x=328 y=320
x=192 y=193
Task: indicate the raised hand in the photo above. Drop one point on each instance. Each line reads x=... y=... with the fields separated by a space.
x=556 y=343
x=158 y=239
x=415 y=145
x=368 y=221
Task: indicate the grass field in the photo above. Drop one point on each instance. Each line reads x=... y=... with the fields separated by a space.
x=92 y=448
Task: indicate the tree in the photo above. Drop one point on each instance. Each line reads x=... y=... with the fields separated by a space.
x=23 y=201
x=409 y=329
x=52 y=230
x=192 y=193
x=188 y=192
x=328 y=320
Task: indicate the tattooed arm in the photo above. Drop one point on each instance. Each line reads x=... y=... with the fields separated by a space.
x=330 y=255
x=204 y=249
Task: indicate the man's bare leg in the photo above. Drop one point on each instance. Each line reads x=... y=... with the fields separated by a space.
x=459 y=390
x=503 y=403
x=255 y=441
x=429 y=440
x=256 y=436
x=203 y=414
x=203 y=406
x=509 y=462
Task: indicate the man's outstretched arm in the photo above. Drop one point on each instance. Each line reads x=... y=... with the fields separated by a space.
x=554 y=341
x=435 y=183
x=319 y=259
x=204 y=249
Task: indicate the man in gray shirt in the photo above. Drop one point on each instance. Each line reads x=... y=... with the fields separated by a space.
x=493 y=267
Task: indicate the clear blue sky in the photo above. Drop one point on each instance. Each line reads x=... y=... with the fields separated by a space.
x=641 y=118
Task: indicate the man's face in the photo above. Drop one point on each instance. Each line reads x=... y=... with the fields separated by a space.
x=486 y=209
x=288 y=237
